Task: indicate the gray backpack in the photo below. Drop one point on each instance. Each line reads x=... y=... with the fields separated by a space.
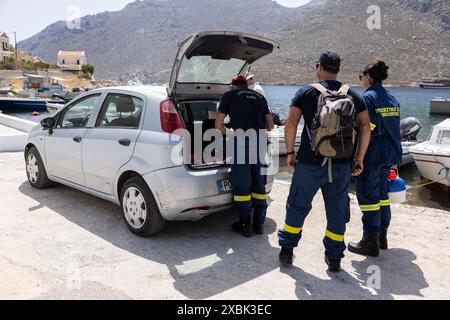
x=332 y=133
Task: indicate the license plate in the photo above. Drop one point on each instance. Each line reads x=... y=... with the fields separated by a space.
x=225 y=186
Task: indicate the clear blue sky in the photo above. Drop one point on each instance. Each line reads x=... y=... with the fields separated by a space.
x=29 y=17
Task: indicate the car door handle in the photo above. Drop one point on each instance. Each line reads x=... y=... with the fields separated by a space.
x=125 y=142
x=77 y=139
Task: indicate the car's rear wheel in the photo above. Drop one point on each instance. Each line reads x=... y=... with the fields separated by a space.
x=140 y=210
x=37 y=176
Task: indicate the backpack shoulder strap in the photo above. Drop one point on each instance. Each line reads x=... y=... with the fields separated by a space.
x=319 y=87
x=344 y=89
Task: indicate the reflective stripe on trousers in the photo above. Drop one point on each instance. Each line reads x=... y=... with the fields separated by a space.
x=249 y=188
x=307 y=181
x=373 y=198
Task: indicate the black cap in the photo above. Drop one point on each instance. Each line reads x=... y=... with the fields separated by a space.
x=331 y=61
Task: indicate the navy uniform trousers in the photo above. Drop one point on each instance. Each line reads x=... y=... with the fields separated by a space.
x=373 y=198
x=307 y=181
x=249 y=188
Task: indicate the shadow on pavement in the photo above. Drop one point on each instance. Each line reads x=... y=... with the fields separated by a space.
x=398 y=276
x=205 y=258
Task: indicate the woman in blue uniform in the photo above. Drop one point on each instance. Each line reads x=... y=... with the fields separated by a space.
x=385 y=151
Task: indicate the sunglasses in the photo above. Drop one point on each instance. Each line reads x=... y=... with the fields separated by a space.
x=361 y=76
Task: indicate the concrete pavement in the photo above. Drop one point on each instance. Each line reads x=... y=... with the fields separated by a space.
x=63 y=244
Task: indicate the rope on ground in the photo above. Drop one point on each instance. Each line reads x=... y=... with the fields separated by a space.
x=426 y=184
x=444 y=168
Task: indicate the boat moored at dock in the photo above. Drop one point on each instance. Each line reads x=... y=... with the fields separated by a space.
x=433 y=156
x=22 y=104
x=440 y=106
x=435 y=83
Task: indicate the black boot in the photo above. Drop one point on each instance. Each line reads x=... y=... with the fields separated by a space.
x=287 y=256
x=258 y=228
x=368 y=246
x=334 y=266
x=244 y=229
x=382 y=239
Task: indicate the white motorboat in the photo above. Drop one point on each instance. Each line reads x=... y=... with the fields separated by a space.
x=409 y=129
x=433 y=156
x=440 y=106
x=407 y=157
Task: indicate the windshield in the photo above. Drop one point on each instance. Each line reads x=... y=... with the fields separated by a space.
x=205 y=69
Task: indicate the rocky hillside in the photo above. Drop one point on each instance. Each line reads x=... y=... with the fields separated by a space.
x=145 y=34
x=413 y=34
x=142 y=38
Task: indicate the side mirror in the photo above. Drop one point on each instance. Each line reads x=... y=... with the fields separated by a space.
x=48 y=123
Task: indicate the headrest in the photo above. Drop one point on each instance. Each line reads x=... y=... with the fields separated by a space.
x=125 y=104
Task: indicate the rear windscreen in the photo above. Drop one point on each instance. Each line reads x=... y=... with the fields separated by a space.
x=205 y=69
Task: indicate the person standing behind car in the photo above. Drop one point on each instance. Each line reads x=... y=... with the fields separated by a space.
x=385 y=151
x=310 y=172
x=253 y=85
x=248 y=110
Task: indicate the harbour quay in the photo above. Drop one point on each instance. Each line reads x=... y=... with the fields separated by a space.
x=59 y=243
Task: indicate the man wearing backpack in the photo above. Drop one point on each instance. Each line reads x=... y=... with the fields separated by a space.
x=332 y=111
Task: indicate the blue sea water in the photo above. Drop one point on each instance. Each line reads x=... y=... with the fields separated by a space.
x=415 y=102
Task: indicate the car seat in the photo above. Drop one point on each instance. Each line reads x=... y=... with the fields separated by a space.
x=125 y=104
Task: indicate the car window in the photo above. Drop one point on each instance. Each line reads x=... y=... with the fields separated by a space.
x=120 y=111
x=205 y=69
x=445 y=138
x=78 y=114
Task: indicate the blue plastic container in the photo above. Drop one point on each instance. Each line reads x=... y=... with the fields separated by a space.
x=396 y=188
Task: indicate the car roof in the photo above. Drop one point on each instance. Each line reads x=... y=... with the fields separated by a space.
x=141 y=89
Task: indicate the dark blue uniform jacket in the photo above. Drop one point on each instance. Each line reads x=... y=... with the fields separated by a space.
x=384 y=111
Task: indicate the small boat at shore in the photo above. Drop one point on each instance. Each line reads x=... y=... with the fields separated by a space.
x=409 y=129
x=435 y=84
x=432 y=157
x=440 y=106
x=407 y=157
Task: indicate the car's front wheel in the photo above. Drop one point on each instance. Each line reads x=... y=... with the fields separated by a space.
x=140 y=210
x=37 y=176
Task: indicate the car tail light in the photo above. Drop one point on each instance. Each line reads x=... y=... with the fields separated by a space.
x=170 y=119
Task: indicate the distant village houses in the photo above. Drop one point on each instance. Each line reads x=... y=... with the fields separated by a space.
x=71 y=61
x=6 y=50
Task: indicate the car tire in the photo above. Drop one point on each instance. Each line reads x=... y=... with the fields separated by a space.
x=36 y=173
x=140 y=210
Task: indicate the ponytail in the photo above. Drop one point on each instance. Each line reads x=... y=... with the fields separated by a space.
x=377 y=70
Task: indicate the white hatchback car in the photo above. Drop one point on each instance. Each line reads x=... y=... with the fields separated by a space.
x=117 y=143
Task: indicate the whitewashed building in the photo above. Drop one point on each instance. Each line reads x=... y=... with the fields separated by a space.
x=71 y=60
x=6 y=50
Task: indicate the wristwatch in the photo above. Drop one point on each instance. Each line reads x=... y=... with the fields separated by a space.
x=290 y=153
